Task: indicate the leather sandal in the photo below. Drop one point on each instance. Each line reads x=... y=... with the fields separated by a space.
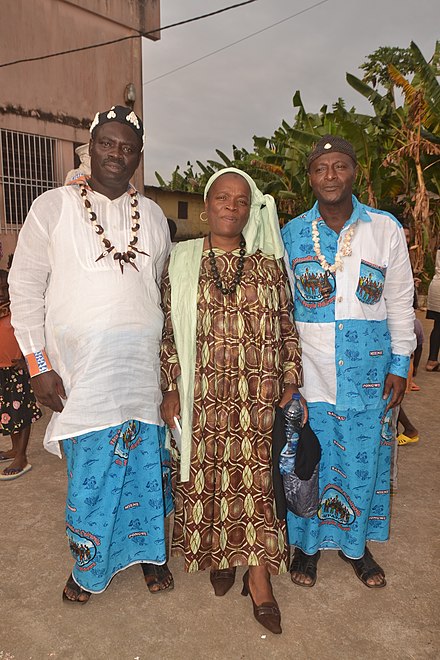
x=366 y=568
x=158 y=577
x=306 y=565
x=268 y=614
x=222 y=580
x=78 y=591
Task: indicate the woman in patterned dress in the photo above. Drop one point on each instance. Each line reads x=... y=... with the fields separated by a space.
x=230 y=354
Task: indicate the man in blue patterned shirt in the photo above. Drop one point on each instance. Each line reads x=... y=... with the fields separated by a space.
x=353 y=292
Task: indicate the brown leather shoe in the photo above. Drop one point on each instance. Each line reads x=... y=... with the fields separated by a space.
x=268 y=614
x=222 y=580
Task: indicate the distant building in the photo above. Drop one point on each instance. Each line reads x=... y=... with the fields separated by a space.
x=182 y=207
x=46 y=106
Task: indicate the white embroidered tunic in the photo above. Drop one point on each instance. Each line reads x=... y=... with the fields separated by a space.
x=101 y=329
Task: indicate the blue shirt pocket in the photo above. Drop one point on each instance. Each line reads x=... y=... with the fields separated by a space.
x=371 y=283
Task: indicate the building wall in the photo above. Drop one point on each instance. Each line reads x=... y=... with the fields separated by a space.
x=139 y=15
x=58 y=97
x=168 y=200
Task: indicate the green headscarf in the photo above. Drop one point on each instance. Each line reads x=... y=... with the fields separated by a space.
x=262 y=230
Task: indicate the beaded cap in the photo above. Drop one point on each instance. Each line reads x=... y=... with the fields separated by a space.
x=121 y=114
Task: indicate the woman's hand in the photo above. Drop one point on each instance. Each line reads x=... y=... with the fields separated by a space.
x=287 y=395
x=170 y=407
x=305 y=410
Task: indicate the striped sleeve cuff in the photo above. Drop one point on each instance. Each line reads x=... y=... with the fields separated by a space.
x=38 y=363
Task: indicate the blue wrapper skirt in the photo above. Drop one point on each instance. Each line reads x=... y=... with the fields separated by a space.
x=119 y=492
x=354 y=482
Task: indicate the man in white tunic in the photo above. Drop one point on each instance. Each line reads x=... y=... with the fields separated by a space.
x=86 y=310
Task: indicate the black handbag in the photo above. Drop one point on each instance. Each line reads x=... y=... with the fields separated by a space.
x=302 y=495
x=298 y=490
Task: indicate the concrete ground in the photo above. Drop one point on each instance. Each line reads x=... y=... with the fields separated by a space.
x=339 y=619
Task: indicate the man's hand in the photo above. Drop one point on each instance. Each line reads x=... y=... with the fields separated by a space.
x=49 y=390
x=170 y=407
x=396 y=385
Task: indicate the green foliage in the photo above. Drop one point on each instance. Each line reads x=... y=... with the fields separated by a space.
x=376 y=65
x=398 y=148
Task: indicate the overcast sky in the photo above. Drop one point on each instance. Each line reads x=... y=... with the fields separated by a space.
x=247 y=89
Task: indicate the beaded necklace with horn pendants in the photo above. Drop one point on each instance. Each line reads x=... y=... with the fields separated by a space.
x=129 y=255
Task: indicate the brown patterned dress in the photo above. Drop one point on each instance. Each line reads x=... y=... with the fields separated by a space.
x=247 y=349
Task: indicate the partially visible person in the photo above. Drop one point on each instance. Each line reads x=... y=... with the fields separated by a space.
x=420 y=338
x=85 y=301
x=173 y=229
x=84 y=165
x=409 y=433
x=418 y=328
x=230 y=354
x=433 y=313
x=18 y=408
x=353 y=293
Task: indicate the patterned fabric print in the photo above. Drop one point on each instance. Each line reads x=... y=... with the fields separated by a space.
x=314 y=286
x=18 y=408
x=117 y=498
x=363 y=356
x=354 y=481
x=310 y=279
x=225 y=513
x=371 y=283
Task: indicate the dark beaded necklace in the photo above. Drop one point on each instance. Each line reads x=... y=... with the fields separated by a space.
x=216 y=275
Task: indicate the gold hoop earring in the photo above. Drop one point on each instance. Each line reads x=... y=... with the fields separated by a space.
x=203 y=219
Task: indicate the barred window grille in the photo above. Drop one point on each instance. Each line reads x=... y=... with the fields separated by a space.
x=29 y=165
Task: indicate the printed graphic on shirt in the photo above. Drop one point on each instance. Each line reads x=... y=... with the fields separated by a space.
x=315 y=286
x=371 y=283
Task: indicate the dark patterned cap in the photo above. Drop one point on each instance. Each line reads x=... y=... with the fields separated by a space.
x=331 y=144
x=122 y=115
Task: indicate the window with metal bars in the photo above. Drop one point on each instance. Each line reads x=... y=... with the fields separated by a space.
x=28 y=167
x=182 y=210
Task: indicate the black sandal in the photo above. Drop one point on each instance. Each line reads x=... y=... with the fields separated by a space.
x=157 y=577
x=366 y=568
x=306 y=565
x=78 y=591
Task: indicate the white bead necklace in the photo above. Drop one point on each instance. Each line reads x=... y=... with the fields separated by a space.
x=345 y=250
